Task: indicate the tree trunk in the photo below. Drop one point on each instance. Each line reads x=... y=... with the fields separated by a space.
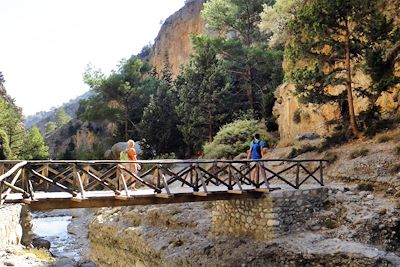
x=249 y=89
x=352 y=116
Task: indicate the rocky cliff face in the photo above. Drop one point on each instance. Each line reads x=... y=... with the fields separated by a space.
x=173 y=41
x=296 y=118
x=79 y=137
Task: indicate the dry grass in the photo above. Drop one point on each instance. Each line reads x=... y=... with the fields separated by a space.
x=383 y=138
x=362 y=152
x=40 y=254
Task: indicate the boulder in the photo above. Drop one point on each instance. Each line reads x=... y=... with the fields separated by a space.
x=307 y=136
x=107 y=154
x=120 y=146
x=41 y=243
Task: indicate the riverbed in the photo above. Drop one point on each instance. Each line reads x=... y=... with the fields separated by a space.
x=66 y=230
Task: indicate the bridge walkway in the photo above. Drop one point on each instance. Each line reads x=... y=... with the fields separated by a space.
x=48 y=185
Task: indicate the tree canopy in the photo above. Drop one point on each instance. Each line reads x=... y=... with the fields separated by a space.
x=255 y=67
x=330 y=39
x=121 y=96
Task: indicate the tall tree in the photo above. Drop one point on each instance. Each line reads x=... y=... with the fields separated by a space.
x=205 y=94
x=237 y=21
x=61 y=117
x=34 y=146
x=159 y=125
x=5 y=150
x=274 y=20
x=331 y=37
x=11 y=122
x=121 y=96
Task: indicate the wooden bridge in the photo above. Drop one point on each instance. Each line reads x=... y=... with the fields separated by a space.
x=52 y=184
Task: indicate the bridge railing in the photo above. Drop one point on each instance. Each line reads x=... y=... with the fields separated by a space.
x=163 y=177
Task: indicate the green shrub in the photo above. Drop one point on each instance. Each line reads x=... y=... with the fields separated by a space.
x=365 y=187
x=233 y=139
x=383 y=138
x=340 y=136
x=359 y=153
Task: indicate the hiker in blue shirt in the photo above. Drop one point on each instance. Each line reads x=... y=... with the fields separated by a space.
x=256 y=148
x=255 y=152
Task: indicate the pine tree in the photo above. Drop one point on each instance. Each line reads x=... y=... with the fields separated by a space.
x=330 y=38
x=121 y=96
x=159 y=121
x=244 y=50
x=34 y=146
x=205 y=94
x=61 y=117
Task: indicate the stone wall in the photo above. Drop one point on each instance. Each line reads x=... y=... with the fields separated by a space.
x=275 y=214
x=15 y=225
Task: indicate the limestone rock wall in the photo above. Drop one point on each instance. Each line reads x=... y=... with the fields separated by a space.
x=275 y=214
x=173 y=40
x=15 y=225
x=79 y=136
x=295 y=118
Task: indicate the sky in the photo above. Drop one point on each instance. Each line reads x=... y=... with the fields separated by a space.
x=46 y=45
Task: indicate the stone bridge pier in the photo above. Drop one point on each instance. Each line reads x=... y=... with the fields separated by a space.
x=277 y=213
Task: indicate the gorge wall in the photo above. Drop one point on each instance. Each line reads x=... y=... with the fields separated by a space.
x=79 y=137
x=173 y=41
x=296 y=118
x=173 y=44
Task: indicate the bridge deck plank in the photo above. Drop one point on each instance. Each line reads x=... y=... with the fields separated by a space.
x=63 y=200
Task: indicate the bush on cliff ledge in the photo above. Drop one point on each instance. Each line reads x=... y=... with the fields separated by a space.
x=232 y=139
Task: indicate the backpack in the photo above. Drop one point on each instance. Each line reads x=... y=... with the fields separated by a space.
x=256 y=147
x=123 y=155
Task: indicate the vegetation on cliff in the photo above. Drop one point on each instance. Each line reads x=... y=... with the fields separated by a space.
x=337 y=38
x=321 y=44
x=255 y=68
x=225 y=76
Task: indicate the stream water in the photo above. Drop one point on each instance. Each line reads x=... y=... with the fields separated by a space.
x=55 y=230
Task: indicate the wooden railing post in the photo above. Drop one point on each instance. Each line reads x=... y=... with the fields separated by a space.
x=2 y=168
x=85 y=177
x=1 y=194
x=297 y=175
x=258 y=169
x=45 y=173
x=321 y=172
x=118 y=173
x=230 y=187
x=196 y=175
x=74 y=175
